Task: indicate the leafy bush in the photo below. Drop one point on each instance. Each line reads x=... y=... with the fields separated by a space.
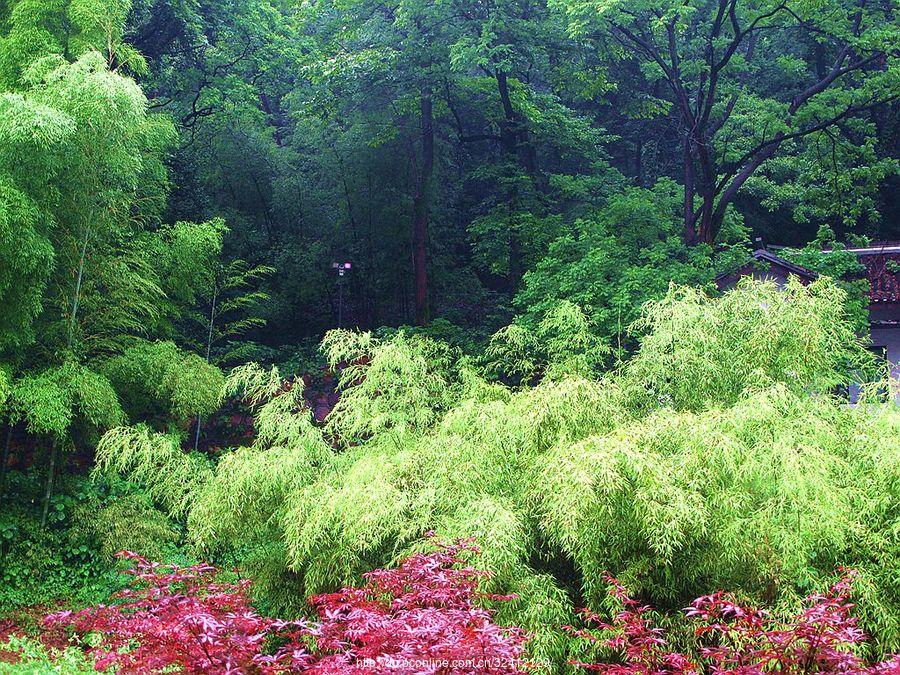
x=701 y=352
x=243 y=506
x=400 y=385
x=156 y=462
x=827 y=256
x=765 y=496
x=420 y=616
x=128 y=520
x=28 y=656
x=237 y=504
x=43 y=564
x=49 y=401
x=172 y=617
x=158 y=381
x=563 y=343
x=62 y=560
x=5 y=383
x=620 y=256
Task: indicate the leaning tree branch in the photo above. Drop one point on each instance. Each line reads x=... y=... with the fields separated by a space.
x=755 y=157
x=463 y=137
x=802 y=98
x=708 y=97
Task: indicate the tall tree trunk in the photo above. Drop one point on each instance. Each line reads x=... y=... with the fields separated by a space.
x=420 y=207
x=515 y=140
x=51 y=472
x=79 y=278
x=508 y=127
x=690 y=231
x=4 y=460
x=209 y=340
x=716 y=201
x=708 y=225
x=267 y=212
x=514 y=134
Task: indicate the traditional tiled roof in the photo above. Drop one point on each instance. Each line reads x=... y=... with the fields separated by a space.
x=728 y=279
x=882 y=263
x=793 y=268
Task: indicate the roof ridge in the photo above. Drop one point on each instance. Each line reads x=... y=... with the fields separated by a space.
x=771 y=257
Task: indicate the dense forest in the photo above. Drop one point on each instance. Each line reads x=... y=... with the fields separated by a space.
x=378 y=336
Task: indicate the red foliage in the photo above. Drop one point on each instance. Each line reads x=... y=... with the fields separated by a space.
x=642 y=645
x=740 y=640
x=171 y=616
x=419 y=618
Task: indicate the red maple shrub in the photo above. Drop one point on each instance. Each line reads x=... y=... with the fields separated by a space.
x=177 y=617
x=739 y=640
x=422 y=617
x=418 y=618
x=425 y=617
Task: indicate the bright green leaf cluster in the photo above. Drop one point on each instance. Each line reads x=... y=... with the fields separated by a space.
x=49 y=401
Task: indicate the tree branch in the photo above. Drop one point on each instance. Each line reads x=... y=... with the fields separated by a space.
x=767 y=148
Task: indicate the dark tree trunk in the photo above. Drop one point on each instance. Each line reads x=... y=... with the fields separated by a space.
x=4 y=460
x=508 y=127
x=420 y=208
x=690 y=232
x=51 y=473
x=639 y=162
x=709 y=225
x=514 y=135
x=516 y=142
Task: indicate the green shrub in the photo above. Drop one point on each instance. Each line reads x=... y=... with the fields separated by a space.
x=49 y=401
x=158 y=381
x=36 y=659
x=5 y=384
x=130 y=522
x=62 y=560
x=701 y=352
x=563 y=343
x=400 y=385
x=156 y=463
